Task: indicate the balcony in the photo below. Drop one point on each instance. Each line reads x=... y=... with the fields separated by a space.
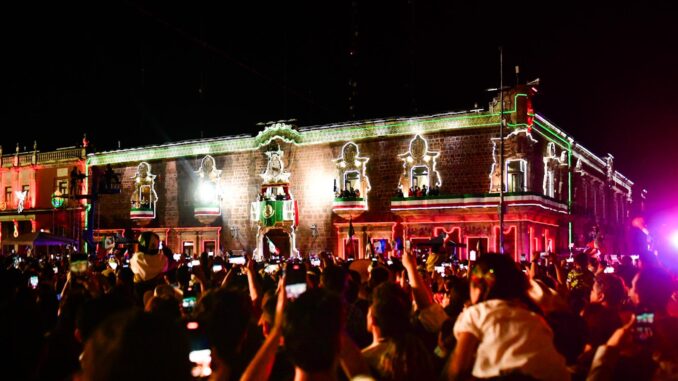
x=349 y=206
x=476 y=202
x=274 y=213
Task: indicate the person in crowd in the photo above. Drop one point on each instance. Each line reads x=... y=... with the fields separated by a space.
x=311 y=327
x=396 y=353
x=626 y=270
x=336 y=279
x=146 y=264
x=580 y=277
x=136 y=346
x=647 y=346
x=501 y=334
x=429 y=315
x=225 y=316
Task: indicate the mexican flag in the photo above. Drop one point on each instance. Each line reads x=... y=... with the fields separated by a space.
x=271 y=212
x=271 y=247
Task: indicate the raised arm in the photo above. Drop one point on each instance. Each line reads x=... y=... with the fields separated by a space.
x=422 y=294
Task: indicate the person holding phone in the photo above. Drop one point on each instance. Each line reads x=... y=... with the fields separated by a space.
x=646 y=347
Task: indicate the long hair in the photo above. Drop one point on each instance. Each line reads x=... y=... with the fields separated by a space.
x=499 y=277
x=405 y=356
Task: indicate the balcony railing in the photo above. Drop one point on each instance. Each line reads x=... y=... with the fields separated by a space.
x=26 y=158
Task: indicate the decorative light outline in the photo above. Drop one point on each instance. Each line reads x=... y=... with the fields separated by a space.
x=494 y=154
x=273 y=130
x=407 y=157
x=154 y=196
x=200 y=209
x=363 y=161
x=523 y=167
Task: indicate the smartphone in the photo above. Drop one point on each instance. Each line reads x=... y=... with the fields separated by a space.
x=216 y=268
x=200 y=354
x=609 y=270
x=55 y=269
x=33 y=281
x=295 y=278
x=315 y=261
x=389 y=262
x=642 y=331
x=188 y=303
x=113 y=264
x=408 y=245
x=440 y=270
x=195 y=262
x=177 y=257
x=237 y=260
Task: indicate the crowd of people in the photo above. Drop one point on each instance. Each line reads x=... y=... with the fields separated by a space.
x=158 y=315
x=417 y=191
x=348 y=193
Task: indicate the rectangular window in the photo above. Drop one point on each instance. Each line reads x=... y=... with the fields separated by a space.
x=351 y=181
x=188 y=248
x=516 y=176
x=420 y=177
x=208 y=247
x=8 y=195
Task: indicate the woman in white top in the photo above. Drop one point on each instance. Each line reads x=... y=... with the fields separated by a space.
x=503 y=334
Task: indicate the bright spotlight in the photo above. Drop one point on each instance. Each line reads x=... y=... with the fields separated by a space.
x=207 y=192
x=674 y=239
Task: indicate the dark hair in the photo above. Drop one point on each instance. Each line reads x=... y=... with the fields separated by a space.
x=225 y=314
x=654 y=287
x=137 y=346
x=582 y=259
x=145 y=240
x=335 y=279
x=93 y=312
x=378 y=275
x=165 y=306
x=499 y=277
x=312 y=330
x=391 y=309
x=612 y=286
x=405 y=356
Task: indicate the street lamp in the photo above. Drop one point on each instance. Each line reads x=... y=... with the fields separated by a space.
x=234 y=232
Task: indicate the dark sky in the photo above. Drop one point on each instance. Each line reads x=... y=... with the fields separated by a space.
x=148 y=72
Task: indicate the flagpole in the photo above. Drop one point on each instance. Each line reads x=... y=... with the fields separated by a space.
x=501 y=151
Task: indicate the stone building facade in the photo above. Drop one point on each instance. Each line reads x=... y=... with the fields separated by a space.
x=288 y=187
x=35 y=187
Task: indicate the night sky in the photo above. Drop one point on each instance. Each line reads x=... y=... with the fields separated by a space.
x=148 y=72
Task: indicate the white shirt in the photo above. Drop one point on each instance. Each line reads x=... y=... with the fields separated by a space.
x=146 y=267
x=512 y=339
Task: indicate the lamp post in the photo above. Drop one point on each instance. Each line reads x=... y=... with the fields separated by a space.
x=314 y=235
x=501 y=151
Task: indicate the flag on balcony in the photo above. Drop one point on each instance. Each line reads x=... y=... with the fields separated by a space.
x=271 y=247
x=349 y=245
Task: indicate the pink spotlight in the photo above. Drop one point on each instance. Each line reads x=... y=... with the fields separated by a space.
x=674 y=239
